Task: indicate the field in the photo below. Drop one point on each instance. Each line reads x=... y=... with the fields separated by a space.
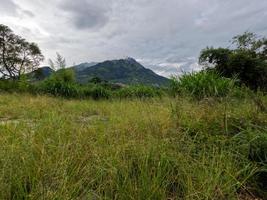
x=158 y=148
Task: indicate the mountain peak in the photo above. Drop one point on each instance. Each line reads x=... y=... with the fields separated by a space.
x=130 y=59
x=126 y=71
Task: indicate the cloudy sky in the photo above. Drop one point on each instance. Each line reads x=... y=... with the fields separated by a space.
x=164 y=35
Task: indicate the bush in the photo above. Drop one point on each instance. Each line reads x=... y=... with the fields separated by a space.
x=21 y=85
x=61 y=83
x=201 y=85
x=96 y=92
x=59 y=88
x=8 y=85
x=64 y=75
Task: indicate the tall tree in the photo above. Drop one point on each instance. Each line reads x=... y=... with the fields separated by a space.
x=17 y=56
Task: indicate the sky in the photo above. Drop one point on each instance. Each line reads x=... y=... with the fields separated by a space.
x=163 y=35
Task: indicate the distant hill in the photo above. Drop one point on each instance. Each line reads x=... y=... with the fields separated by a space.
x=82 y=66
x=126 y=71
x=40 y=73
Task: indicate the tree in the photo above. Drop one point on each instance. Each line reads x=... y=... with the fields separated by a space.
x=62 y=74
x=218 y=58
x=17 y=56
x=59 y=63
x=246 y=61
x=95 y=80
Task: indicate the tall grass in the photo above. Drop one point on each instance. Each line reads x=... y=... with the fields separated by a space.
x=167 y=148
x=138 y=91
x=201 y=85
x=56 y=86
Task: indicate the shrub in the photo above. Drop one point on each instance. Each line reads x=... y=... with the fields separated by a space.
x=58 y=88
x=201 y=85
x=61 y=83
x=64 y=75
x=21 y=85
x=8 y=85
x=96 y=92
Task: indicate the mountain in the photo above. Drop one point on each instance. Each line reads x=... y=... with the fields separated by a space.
x=82 y=66
x=126 y=71
x=40 y=73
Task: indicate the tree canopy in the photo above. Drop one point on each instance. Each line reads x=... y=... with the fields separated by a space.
x=17 y=56
x=246 y=60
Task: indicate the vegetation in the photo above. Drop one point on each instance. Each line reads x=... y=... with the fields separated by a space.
x=202 y=85
x=59 y=63
x=131 y=149
x=126 y=71
x=247 y=61
x=17 y=56
x=203 y=137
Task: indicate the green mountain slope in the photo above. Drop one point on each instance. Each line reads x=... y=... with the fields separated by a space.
x=127 y=71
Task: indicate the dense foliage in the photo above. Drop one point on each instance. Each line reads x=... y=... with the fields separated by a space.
x=247 y=60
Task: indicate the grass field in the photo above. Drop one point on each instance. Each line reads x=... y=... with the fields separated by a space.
x=168 y=148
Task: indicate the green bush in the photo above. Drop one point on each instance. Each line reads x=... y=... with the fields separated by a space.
x=21 y=85
x=96 y=92
x=201 y=85
x=59 y=88
x=8 y=85
x=64 y=75
x=61 y=83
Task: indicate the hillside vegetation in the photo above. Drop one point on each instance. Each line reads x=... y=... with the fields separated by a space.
x=126 y=71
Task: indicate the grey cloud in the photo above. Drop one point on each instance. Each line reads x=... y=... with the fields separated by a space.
x=85 y=13
x=28 y=13
x=8 y=7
